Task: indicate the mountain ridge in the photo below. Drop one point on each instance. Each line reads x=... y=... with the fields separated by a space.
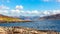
x=52 y=17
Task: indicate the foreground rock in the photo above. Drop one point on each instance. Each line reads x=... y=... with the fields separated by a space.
x=21 y=30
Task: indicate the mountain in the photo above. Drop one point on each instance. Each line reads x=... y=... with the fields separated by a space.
x=7 y=19
x=52 y=17
x=29 y=17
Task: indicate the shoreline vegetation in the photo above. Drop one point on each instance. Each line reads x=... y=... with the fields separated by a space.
x=24 y=30
x=7 y=19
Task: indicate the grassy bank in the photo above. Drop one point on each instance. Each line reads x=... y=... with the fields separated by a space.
x=4 y=19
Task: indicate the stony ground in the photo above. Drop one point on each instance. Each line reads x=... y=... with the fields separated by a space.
x=23 y=30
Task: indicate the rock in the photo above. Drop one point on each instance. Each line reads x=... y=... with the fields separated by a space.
x=23 y=30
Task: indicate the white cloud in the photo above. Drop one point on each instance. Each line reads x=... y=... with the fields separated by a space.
x=35 y=12
x=17 y=12
x=12 y=11
x=19 y=7
x=5 y=11
x=4 y=7
x=57 y=0
x=46 y=13
x=56 y=11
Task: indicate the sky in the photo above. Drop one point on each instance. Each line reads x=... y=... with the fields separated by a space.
x=29 y=7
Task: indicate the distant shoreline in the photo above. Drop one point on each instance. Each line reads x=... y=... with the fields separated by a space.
x=14 y=21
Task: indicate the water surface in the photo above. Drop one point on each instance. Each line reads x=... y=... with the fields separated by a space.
x=40 y=25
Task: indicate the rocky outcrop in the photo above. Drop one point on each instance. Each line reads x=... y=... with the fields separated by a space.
x=23 y=30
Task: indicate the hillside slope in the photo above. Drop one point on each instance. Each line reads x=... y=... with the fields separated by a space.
x=56 y=16
x=4 y=18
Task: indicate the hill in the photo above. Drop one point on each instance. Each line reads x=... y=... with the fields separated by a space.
x=7 y=19
x=52 y=17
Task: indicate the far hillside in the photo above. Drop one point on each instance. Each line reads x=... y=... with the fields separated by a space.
x=4 y=18
x=52 y=17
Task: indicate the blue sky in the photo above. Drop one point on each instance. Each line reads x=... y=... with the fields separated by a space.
x=29 y=7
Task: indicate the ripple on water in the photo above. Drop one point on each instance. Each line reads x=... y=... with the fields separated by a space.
x=41 y=25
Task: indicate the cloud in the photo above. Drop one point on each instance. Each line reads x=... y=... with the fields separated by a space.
x=19 y=7
x=46 y=12
x=4 y=7
x=35 y=11
x=56 y=11
x=5 y=12
x=18 y=10
x=11 y=12
x=57 y=0
x=15 y=11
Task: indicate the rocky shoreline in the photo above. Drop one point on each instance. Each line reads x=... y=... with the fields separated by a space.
x=24 y=30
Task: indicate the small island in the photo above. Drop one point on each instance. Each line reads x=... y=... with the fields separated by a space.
x=7 y=19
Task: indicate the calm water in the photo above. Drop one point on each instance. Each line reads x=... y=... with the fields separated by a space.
x=40 y=25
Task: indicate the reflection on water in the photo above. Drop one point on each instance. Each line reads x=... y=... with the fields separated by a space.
x=41 y=25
